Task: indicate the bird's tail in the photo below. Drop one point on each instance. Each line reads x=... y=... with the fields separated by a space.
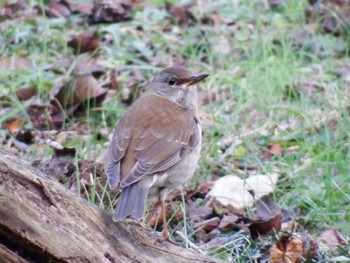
x=131 y=202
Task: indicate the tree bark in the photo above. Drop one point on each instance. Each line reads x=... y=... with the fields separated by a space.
x=41 y=221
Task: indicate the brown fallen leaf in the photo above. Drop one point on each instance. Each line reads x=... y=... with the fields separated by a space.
x=182 y=15
x=216 y=20
x=276 y=149
x=208 y=225
x=288 y=249
x=14 y=125
x=330 y=239
x=40 y=114
x=86 y=64
x=85 y=42
x=113 y=11
x=26 y=93
x=268 y=217
x=57 y=8
x=83 y=8
x=15 y=63
x=228 y=222
x=288 y=221
x=221 y=210
x=201 y=236
x=87 y=87
x=261 y=227
x=84 y=88
x=266 y=207
x=9 y=10
x=198 y=213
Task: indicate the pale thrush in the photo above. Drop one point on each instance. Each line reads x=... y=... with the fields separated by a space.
x=156 y=144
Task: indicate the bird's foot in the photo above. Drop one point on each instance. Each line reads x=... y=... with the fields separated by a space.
x=138 y=223
x=166 y=237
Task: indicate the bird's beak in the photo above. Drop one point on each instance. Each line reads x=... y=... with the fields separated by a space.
x=194 y=79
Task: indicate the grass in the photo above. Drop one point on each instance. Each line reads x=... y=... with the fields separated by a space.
x=263 y=78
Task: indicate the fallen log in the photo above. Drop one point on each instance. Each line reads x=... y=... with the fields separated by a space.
x=42 y=221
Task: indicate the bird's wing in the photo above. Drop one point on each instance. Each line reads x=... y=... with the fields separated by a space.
x=151 y=139
x=117 y=151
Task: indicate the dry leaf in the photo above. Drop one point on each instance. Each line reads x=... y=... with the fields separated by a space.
x=276 y=149
x=90 y=65
x=330 y=239
x=85 y=42
x=85 y=88
x=57 y=8
x=207 y=225
x=84 y=8
x=266 y=207
x=26 y=94
x=239 y=193
x=9 y=11
x=13 y=126
x=262 y=227
x=113 y=11
x=197 y=213
x=261 y=184
x=14 y=63
x=231 y=190
x=182 y=15
x=40 y=114
x=228 y=222
x=288 y=249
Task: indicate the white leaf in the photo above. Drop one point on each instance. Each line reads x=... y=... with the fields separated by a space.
x=232 y=190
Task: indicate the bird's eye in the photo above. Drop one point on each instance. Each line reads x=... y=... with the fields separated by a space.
x=172 y=82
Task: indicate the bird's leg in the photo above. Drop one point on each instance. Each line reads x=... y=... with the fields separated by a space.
x=165 y=232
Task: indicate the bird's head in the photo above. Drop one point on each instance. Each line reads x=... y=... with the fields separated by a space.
x=177 y=84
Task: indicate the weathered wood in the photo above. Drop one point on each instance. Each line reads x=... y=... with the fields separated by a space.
x=41 y=221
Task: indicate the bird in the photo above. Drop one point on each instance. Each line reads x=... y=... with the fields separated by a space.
x=156 y=144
